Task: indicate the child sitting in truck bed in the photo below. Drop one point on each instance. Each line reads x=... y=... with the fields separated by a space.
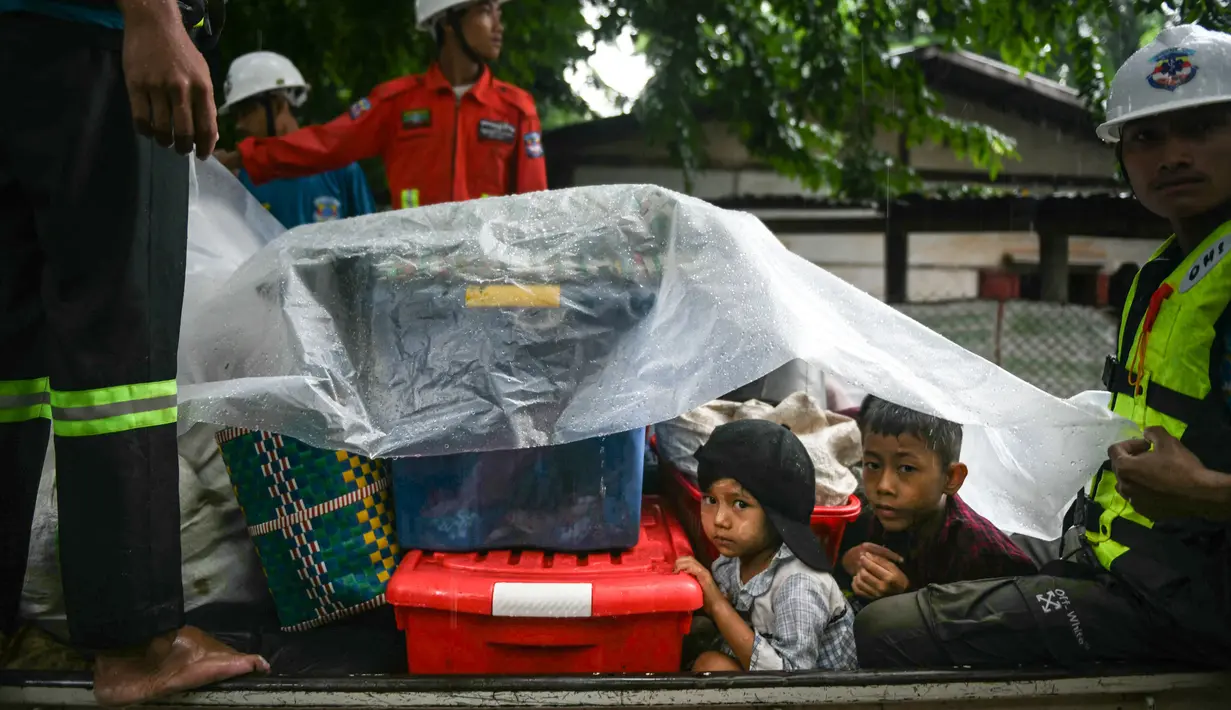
x=771 y=595
x=915 y=530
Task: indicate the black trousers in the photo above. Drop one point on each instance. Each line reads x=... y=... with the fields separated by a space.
x=93 y=230
x=1074 y=614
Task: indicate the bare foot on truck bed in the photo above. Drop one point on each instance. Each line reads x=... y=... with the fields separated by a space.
x=176 y=662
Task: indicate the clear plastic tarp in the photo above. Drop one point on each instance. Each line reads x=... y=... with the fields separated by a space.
x=551 y=317
x=226 y=227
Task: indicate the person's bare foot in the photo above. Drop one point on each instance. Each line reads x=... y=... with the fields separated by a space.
x=179 y=661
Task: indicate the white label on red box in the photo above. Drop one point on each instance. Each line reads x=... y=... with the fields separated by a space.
x=542 y=601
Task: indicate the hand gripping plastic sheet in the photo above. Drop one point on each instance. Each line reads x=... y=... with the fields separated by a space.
x=551 y=317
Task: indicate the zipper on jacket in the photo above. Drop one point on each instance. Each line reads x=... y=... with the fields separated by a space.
x=457 y=128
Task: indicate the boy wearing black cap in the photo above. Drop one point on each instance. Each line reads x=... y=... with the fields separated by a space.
x=771 y=594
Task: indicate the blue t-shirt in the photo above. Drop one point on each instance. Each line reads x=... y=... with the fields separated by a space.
x=316 y=198
x=97 y=13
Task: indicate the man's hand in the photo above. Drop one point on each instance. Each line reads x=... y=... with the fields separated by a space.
x=168 y=80
x=709 y=589
x=878 y=577
x=231 y=160
x=1167 y=480
x=851 y=560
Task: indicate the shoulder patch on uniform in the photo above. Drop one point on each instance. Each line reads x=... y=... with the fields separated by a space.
x=417 y=118
x=359 y=108
x=1205 y=263
x=501 y=131
x=326 y=208
x=534 y=144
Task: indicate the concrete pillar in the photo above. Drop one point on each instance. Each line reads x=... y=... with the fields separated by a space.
x=1054 y=267
x=897 y=253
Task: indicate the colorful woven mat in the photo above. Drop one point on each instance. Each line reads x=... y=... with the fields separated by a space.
x=322 y=522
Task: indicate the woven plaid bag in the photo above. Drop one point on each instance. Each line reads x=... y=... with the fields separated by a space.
x=322 y=522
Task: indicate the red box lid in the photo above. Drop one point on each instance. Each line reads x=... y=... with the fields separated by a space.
x=535 y=584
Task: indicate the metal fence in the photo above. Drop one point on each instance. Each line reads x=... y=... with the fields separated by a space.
x=1059 y=349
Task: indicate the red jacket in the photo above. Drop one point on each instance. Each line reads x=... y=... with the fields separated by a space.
x=435 y=148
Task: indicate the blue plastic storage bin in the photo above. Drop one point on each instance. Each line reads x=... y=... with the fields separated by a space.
x=578 y=497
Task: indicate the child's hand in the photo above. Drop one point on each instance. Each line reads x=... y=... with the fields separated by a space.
x=851 y=560
x=878 y=577
x=709 y=589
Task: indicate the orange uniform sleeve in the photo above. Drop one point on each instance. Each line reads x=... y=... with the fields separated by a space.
x=531 y=167
x=355 y=135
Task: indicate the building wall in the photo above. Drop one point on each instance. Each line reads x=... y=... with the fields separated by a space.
x=946 y=266
x=707 y=185
x=1044 y=150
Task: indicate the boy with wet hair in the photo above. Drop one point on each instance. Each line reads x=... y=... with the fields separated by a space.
x=770 y=594
x=915 y=530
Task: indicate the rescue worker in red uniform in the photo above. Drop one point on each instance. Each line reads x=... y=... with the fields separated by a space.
x=454 y=133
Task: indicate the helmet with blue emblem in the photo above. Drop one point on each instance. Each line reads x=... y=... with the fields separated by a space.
x=1184 y=67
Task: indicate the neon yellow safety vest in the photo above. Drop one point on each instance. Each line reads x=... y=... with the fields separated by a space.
x=1168 y=374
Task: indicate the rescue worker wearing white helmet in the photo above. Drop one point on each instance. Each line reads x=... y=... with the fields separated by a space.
x=1142 y=572
x=261 y=89
x=453 y=133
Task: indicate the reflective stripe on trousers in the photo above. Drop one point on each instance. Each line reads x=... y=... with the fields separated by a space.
x=89 y=412
x=24 y=400
x=113 y=409
x=108 y=410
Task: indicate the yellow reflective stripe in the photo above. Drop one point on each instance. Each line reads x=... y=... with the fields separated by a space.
x=112 y=395
x=116 y=424
x=200 y=23
x=13 y=388
x=410 y=198
x=14 y=415
x=24 y=400
x=106 y=411
x=1107 y=552
x=111 y=410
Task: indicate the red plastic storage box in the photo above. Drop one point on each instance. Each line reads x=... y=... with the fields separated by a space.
x=532 y=613
x=828 y=522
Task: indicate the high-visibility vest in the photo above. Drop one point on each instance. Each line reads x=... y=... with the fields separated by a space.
x=1169 y=374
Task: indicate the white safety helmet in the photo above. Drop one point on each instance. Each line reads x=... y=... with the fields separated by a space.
x=258 y=72
x=1184 y=67
x=427 y=12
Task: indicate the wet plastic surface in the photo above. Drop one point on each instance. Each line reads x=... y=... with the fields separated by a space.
x=297 y=342
x=585 y=495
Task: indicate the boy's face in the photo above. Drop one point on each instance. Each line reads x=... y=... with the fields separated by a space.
x=904 y=481
x=252 y=117
x=734 y=521
x=1179 y=163
x=250 y=121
